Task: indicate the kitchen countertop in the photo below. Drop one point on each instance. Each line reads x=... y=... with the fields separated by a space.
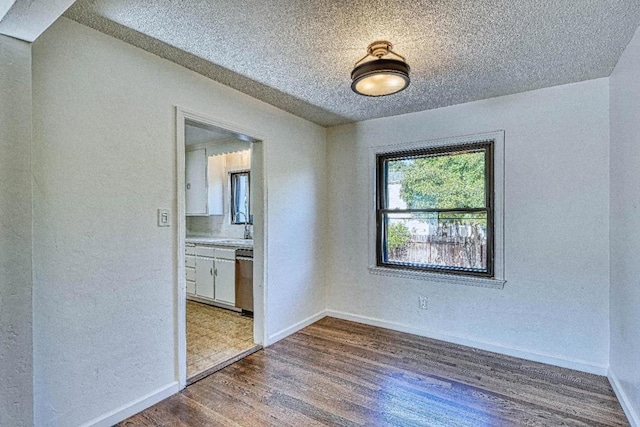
x=221 y=241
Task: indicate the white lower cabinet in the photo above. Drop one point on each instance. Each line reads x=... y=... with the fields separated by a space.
x=211 y=273
x=204 y=277
x=190 y=268
x=225 y=281
x=191 y=287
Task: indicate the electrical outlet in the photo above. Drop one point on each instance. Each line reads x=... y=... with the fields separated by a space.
x=423 y=302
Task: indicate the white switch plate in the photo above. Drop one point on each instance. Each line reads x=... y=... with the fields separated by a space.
x=164 y=218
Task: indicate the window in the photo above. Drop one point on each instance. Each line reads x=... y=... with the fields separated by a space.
x=240 y=212
x=435 y=210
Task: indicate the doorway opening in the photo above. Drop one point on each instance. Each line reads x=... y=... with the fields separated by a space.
x=220 y=237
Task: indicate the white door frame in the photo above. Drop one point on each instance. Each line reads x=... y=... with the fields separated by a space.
x=259 y=227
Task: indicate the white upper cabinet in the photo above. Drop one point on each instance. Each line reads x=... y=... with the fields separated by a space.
x=204 y=192
x=196 y=182
x=216 y=179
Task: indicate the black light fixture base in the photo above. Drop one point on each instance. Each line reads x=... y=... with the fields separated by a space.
x=380 y=77
x=380 y=66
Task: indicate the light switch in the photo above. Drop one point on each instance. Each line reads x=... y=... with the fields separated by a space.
x=164 y=218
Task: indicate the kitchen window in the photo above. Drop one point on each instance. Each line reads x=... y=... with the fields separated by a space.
x=240 y=187
x=436 y=210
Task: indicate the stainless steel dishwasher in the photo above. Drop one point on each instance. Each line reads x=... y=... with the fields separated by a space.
x=244 y=280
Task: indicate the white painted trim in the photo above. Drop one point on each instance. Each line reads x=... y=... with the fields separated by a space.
x=436 y=277
x=125 y=411
x=625 y=402
x=498 y=280
x=181 y=230
x=259 y=289
x=296 y=327
x=578 y=365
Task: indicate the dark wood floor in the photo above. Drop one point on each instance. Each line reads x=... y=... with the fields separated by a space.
x=342 y=373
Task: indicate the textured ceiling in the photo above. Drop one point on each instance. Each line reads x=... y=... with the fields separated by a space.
x=196 y=133
x=298 y=54
x=200 y=133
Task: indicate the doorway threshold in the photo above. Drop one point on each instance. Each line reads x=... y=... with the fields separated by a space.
x=208 y=371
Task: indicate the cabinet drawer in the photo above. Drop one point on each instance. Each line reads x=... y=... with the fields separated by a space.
x=191 y=287
x=225 y=253
x=206 y=251
x=190 y=249
x=191 y=274
x=190 y=261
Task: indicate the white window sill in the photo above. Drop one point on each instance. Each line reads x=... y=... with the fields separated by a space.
x=438 y=277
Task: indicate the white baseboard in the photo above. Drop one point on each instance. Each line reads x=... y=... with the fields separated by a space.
x=578 y=365
x=295 y=328
x=125 y=411
x=625 y=402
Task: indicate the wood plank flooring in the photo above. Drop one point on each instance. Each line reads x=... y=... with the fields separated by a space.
x=215 y=336
x=342 y=373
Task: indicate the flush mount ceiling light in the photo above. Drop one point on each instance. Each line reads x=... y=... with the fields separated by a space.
x=380 y=76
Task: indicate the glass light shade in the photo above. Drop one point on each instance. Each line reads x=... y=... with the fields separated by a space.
x=380 y=84
x=380 y=77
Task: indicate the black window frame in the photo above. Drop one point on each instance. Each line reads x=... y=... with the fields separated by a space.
x=381 y=183
x=232 y=204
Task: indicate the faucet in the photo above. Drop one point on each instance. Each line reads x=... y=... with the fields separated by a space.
x=247 y=232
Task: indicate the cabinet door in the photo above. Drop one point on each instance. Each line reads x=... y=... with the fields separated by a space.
x=226 y=281
x=204 y=277
x=196 y=182
x=216 y=180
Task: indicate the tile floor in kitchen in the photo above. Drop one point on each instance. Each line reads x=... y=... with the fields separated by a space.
x=215 y=338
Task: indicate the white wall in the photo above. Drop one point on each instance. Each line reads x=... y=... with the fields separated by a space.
x=625 y=228
x=16 y=363
x=103 y=162
x=554 y=306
